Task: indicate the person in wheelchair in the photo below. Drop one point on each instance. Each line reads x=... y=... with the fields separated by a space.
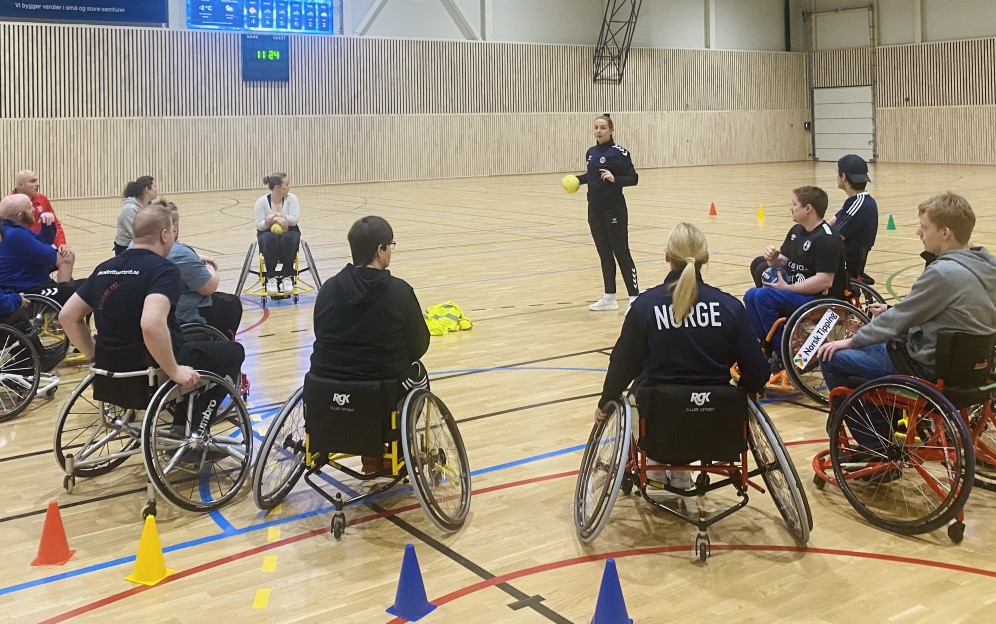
x=813 y=257
x=684 y=331
x=26 y=259
x=369 y=324
x=12 y=313
x=857 y=220
x=276 y=215
x=133 y=297
x=956 y=292
x=200 y=301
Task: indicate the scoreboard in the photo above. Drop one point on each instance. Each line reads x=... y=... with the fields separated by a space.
x=283 y=16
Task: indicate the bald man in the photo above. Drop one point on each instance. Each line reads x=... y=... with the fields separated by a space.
x=27 y=259
x=26 y=183
x=133 y=299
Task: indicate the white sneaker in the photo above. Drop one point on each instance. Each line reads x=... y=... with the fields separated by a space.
x=604 y=304
x=288 y=286
x=272 y=288
x=680 y=479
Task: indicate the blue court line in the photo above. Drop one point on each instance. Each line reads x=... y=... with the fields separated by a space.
x=249 y=529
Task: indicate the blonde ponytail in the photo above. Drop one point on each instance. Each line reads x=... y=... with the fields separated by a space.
x=688 y=251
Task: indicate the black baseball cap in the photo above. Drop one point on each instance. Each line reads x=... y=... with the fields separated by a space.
x=854 y=167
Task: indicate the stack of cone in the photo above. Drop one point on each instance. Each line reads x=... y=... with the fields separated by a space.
x=54 y=547
x=410 y=602
x=712 y=209
x=610 y=608
x=150 y=565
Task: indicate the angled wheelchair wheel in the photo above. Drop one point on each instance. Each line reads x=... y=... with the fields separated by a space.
x=96 y=436
x=19 y=371
x=602 y=467
x=44 y=315
x=982 y=425
x=201 y=331
x=246 y=268
x=312 y=268
x=197 y=444
x=779 y=473
x=805 y=330
x=916 y=469
x=281 y=459
x=436 y=459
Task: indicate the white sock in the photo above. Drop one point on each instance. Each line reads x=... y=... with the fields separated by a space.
x=609 y=297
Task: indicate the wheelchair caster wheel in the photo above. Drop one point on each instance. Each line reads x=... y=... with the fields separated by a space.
x=702 y=547
x=702 y=481
x=68 y=483
x=295 y=299
x=149 y=509
x=263 y=301
x=50 y=393
x=818 y=482
x=338 y=525
x=956 y=531
x=627 y=484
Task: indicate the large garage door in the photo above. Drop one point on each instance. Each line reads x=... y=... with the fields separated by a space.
x=844 y=122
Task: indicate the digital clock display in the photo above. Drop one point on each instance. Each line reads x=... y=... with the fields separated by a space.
x=265 y=58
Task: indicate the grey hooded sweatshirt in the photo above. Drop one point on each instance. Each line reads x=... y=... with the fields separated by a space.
x=957 y=291
x=126 y=218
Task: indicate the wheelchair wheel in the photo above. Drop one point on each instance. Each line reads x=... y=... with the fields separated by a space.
x=779 y=474
x=96 y=436
x=246 y=266
x=281 y=459
x=197 y=443
x=982 y=424
x=436 y=459
x=312 y=268
x=19 y=371
x=801 y=327
x=602 y=468
x=863 y=295
x=44 y=315
x=201 y=331
x=918 y=473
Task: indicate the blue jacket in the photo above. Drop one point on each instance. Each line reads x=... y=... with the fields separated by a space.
x=25 y=259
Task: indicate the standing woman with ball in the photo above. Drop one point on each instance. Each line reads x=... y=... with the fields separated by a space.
x=277 y=233
x=610 y=168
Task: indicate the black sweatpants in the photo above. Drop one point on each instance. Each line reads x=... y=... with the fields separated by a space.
x=609 y=229
x=279 y=249
x=224 y=313
x=757 y=267
x=222 y=357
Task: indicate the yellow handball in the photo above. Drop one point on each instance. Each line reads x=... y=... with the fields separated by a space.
x=571 y=184
x=276 y=229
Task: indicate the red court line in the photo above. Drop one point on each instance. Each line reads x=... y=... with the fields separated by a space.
x=620 y=554
x=107 y=600
x=266 y=315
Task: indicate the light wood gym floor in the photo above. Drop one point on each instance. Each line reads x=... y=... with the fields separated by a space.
x=515 y=253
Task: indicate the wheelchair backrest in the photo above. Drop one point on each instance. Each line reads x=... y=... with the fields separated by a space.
x=683 y=424
x=348 y=416
x=964 y=360
x=125 y=392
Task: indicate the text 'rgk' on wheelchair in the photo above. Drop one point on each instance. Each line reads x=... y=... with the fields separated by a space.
x=711 y=427
x=327 y=421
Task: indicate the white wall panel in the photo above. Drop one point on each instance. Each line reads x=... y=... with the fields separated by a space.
x=750 y=25
x=665 y=24
x=848 y=29
x=947 y=20
x=843 y=95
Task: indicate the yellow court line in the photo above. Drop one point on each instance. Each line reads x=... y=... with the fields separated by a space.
x=273 y=534
x=269 y=563
x=276 y=510
x=261 y=599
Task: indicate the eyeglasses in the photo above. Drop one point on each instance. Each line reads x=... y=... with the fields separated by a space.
x=392 y=244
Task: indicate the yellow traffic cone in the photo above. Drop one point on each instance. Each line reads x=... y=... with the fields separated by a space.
x=760 y=212
x=150 y=565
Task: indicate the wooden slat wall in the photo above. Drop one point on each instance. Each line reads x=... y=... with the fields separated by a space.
x=848 y=67
x=953 y=73
x=109 y=104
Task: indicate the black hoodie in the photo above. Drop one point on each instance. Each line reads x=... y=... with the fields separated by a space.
x=368 y=326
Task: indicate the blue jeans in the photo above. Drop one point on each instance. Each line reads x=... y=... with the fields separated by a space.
x=868 y=363
x=766 y=305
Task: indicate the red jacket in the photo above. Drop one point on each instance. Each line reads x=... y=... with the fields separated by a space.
x=41 y=204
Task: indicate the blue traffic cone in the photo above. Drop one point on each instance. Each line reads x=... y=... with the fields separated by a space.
x=410 y=602
x=610 y=608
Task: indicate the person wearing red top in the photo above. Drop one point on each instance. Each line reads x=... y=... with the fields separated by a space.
x=26 y=183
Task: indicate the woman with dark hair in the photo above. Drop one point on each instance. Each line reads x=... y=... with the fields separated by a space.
x=276 y=217
x=137 y=195
x=610 y=168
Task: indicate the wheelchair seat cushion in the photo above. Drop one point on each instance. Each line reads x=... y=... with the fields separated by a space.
x=684 y=424
x=352 y=417
x=125 y=392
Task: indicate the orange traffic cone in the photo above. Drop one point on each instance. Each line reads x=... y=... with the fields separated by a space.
x=150 y=565
x=54 y=548
x=712 y=209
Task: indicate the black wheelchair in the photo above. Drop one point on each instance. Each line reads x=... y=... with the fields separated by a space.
x=327 y=421
x=196 y=442
x=933 y=440
x=707 y=429
x=28 y=359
